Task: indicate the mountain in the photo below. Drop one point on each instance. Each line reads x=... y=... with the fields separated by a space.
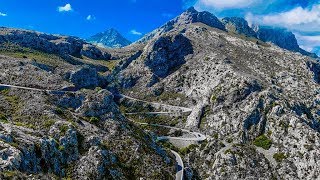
x=187 y=17
x=257 y=103
x=110 y=38
x=281 y=37
x=190 y=100
x=239 y=26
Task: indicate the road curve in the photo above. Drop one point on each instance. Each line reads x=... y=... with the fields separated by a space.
x=179 y=166
x=198 y=136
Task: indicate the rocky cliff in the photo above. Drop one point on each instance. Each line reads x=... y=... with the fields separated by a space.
x=256 y=102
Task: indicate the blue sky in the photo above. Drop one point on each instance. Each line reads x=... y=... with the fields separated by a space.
x=133 y=18
x=84 y=18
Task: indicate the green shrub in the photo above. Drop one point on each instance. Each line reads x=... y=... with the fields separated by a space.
x=63 y=129
x=279 y=157
x=263 y=141
x=49 y=123
x=61 y=148
x=3 y=118
x=188 y=149
x=59 y=111
x=94 y=120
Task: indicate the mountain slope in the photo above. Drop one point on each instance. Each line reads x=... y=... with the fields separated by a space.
x=110 y=38
x=257 y=103
x=77 y=134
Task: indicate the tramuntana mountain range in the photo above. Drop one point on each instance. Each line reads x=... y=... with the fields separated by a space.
x=278 y=36
x=232 y=105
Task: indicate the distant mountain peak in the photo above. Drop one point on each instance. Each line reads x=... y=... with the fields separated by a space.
x=110 y=38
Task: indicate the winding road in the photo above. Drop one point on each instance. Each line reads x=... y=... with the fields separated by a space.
x=183 y=109
x=34 y=89
x=197 y=136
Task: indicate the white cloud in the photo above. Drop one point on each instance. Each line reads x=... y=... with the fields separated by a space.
x=300 y=19
x=134 y=32
x=90 y=17
x=309 y=43
x=225 y=4
x=3 y=14
x=65 y=8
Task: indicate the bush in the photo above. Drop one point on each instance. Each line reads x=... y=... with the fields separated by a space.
x=263 y=142
x=279 y=157
x=3 y=118
x=94 y=120
x=63 y=129
x=59 y=111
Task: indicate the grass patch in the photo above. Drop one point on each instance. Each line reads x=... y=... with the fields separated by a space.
x=263 y=142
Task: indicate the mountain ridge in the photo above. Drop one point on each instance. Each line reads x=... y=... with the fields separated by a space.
x=256 y=103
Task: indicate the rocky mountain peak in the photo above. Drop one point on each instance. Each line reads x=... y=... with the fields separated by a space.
x=110 y=38
x=281 y=37
x=191 y=15
x=238 y=25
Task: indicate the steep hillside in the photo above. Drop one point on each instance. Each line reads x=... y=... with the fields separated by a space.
x=257 y=103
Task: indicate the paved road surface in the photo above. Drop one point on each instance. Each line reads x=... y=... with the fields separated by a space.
x=179 y=165
x=183 y=109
